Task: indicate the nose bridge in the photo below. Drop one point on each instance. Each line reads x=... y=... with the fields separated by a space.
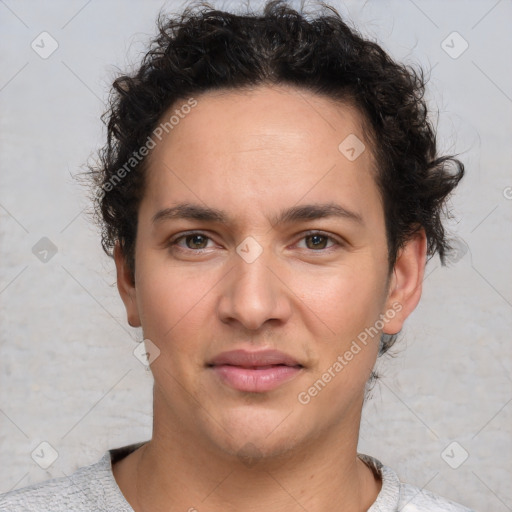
x=253 y=294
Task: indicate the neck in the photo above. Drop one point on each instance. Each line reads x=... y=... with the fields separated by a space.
x=178 y=470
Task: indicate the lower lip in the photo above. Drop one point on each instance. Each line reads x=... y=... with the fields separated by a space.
x=256 y=380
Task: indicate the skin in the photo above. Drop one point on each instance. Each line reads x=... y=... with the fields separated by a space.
x=253 y=153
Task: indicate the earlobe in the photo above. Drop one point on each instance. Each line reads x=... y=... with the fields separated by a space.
x=126 y=287
x=406 y=281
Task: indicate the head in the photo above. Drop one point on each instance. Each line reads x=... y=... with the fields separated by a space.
x=269 y=181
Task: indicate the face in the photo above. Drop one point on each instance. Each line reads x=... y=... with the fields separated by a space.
x=261 y=271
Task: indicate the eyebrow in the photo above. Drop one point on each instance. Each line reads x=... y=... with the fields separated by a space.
x=299 y=213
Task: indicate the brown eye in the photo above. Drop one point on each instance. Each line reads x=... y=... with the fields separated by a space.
x=317 y=241
x=196 y=241
x=192 y=241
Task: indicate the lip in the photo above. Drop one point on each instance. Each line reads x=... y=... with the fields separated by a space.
x=254 y=372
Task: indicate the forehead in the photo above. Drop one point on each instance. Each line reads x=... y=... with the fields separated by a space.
x=261 y=148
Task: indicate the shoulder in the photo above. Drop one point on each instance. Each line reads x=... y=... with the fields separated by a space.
x=396 y=495
x=414 y=499
x=88 y=488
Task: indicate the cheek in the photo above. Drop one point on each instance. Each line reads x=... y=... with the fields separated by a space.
x=344 y=300
x=346 y=307
x=172 y=301
x=346 y=303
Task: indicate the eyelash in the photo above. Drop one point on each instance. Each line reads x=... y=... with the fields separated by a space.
x=173 y=242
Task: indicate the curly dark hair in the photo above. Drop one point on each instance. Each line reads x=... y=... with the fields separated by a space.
x=204 y=49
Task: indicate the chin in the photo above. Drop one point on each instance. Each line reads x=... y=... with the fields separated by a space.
x=254 y=449
x=253 y=435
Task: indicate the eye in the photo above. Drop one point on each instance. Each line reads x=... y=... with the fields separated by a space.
x=197 y=241
x=317 y=241
x=194 y=241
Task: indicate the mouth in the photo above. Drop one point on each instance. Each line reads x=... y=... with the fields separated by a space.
x=254 y=372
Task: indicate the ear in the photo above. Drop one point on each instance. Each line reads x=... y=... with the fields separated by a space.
x=406 y=281
x=126 y=287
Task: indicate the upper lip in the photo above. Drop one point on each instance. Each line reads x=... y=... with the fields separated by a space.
x=248 y=359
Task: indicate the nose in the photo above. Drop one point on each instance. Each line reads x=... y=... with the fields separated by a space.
x=254 y=293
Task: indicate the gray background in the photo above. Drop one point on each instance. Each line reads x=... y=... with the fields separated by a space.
x=67 y=372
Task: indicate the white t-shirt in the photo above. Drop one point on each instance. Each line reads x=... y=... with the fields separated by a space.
x=94 y=488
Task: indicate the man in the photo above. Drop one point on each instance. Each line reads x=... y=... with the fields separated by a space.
x=270 y=190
